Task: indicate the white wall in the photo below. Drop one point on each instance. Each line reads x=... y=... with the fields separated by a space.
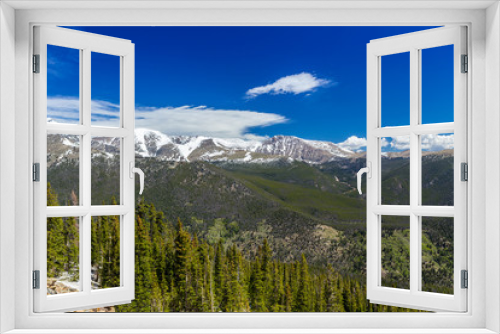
x=492 y=163
x=7 y=160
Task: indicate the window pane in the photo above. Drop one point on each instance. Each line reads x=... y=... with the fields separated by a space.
x=63 y=255
x=437 y=85
x=105 y=252
x=437 y=169
x=63 y=169
x=105 y=90
x=105 y=171
x=63 y=84
x=437 y=254
x=395 y=90
x=396 y=252
x=395 y=171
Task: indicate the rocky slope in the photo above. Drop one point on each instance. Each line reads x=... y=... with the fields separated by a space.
x=150 y=143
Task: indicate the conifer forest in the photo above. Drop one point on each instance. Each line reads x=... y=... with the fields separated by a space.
x=177 y=270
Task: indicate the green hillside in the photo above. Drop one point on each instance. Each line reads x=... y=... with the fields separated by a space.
x=300 y=209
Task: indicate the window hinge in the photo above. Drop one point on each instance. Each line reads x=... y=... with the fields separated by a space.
x=36 y=279
x=36 y=172
x=36 y=63
x=465 y=279
x=464 y=171
x=465 y=64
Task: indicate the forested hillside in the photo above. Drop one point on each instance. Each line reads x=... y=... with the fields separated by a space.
x=278 y=236
x=178 y=272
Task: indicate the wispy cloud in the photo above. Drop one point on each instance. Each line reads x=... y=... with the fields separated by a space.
x=205 y=121
x=291 y=84
x=63 y=110
x=186 y=120
x=67 y=110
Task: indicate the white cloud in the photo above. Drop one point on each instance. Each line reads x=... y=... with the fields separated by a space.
x=401 y=143
x=430 y=142
x=204 y=121
x=186 y=120
x=295 y=84
x=353 y=144
x=437 y=142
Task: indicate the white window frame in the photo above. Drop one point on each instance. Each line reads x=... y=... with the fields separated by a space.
x=483 y=102
x=414 y=43
x=85 y=43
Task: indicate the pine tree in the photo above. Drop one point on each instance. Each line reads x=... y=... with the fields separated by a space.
x=181 y=263
x=72 y=245
x=267 y=278
x=56 y=253
x=288 y=298
x=303 y=294
x=115 y=251
x=143 y=288
x=257 y=297
x=218 y=277
x=340 y=294
x=278 y=293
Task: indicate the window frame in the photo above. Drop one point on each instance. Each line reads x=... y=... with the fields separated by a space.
x=476 y=317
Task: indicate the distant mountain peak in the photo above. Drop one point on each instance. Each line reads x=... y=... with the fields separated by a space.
x=151 y=143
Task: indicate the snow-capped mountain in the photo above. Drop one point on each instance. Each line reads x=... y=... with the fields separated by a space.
x=151 y=143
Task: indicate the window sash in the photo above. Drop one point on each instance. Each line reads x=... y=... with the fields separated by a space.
x=414 y=298
x=86 y=297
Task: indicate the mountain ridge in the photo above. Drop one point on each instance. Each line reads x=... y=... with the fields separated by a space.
x=151 y=143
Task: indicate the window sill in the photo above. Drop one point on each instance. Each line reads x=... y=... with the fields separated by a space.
x=251 y=331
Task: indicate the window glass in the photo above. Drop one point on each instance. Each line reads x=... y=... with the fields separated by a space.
x=395 y=171
x=63 y=168
x=105 y=252
x=437 y=84
x=63 y=85
x=437 y=254
x=106 y=170
x=63 y=254
x=395 y=89
x=105 y=90
x=437 y=169
x=396 y=252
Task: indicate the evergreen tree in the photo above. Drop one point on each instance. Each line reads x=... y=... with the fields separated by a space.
x=177 y=271
x=218 y=277
x=181 y=262
x=56 y=249
x=303 y=294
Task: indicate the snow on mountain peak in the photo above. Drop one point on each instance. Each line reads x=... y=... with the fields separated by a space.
x=152 y=143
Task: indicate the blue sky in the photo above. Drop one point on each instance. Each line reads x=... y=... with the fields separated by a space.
x=308 y=82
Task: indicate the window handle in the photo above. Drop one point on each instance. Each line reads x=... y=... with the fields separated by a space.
x=368 y=171
x=134 y=170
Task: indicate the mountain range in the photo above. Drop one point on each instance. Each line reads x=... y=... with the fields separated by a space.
x=154 y=144
x=150 y=143
x=299 y=194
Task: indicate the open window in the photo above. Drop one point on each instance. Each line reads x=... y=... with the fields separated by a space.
x=422 y=206
x=65 y=275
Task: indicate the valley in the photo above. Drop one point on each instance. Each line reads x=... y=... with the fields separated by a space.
x=296 y=195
